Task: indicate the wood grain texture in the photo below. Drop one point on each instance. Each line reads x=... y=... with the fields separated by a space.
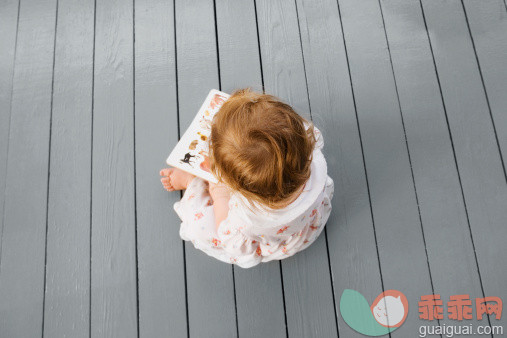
x=350 y=232
x=438 y=189
x=210 y=287
x=8 y=29
x=306 y=276
x=396 y=217
x=24 y=229
x=477 y=153
x=259 y=288
x=113 y=257
x=487 y=21
x=238 y=45
x=67 y=306
x=162 y=306
x=282 y=61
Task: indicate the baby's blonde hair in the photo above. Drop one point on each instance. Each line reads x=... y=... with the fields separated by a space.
x=261 y=148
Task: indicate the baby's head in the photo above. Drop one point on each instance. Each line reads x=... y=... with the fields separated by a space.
x=260 y=147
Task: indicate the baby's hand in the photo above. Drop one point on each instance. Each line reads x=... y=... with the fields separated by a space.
x=218 y=191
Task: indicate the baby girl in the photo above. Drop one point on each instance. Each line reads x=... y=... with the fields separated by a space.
x=273 y=197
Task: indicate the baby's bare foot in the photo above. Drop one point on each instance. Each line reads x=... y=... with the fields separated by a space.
x=175 y=179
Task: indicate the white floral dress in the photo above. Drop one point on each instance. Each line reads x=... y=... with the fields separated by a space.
x=250 y=236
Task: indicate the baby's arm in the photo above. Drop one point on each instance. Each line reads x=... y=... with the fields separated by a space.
x=220 y=195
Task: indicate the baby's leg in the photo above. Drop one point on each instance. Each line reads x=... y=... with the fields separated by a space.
x=175 y=179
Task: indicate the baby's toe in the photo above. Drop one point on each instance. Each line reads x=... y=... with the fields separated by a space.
x=166 y=182
x=166 y=171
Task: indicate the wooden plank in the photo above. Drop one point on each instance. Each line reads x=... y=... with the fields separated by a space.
x=8 y=29
x=477 y=153
x=67 y=306
x=162 y=305
x=392 y=194
x=443 y=214
x=209 y=281
x=350 y=232
x=487 y=21
x=259 y=288
x=238 y=45
x=306 y=276
x=24 y=227
x=281 y=54
x=113 y=272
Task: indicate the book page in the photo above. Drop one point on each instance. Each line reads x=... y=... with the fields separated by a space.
x=191 y=152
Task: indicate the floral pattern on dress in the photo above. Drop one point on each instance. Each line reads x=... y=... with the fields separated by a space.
x=198 y=216
x=282 y=230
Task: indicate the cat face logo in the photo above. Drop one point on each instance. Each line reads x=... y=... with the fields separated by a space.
x=388 y=312
x=396 y=302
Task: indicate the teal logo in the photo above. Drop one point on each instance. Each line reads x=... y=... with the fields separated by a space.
x=387 y=312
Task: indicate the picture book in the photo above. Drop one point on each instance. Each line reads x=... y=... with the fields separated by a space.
x=191 y=152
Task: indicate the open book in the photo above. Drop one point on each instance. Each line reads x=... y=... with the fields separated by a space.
x=191 y=152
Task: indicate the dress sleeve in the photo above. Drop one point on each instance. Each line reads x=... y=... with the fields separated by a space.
x=319 y=144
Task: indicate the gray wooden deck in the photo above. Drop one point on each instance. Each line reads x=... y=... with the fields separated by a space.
x=411 y=97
